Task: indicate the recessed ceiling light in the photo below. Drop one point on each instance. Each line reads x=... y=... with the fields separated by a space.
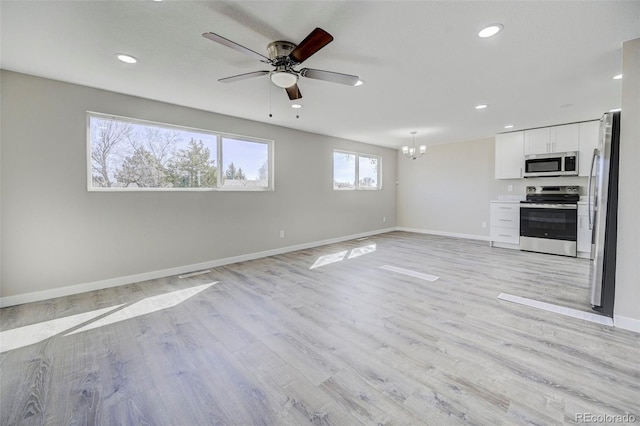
x=509 y=126
x=481 y=106
x=615 y=110
x=617 y=77
x=296 y=106
x=126 y=58
x=491 y=30
x=359 y=83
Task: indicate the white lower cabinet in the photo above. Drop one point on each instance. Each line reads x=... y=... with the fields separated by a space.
x=584 y=233
x=505 y=235
x=505 y=224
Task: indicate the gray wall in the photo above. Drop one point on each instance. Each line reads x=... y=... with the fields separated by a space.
x=55 y=233
x=627 y=303
x=449 y=189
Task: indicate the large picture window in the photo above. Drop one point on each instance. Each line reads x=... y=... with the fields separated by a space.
x=127 y=155
x=353 y=171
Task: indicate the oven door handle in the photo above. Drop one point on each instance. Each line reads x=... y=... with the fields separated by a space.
x=550 y=206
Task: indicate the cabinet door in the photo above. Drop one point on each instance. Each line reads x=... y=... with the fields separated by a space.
x=537 y=141
x=505 y=215
x=505 y=223
x=504 y=235
x=565 y=138
x=589 y=134
x=509 y=157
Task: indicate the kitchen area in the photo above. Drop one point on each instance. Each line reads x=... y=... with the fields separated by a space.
x=567 y=205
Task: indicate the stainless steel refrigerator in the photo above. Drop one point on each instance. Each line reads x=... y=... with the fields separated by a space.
x=603 y=214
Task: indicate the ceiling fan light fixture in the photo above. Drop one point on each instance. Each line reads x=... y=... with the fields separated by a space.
x=283 y=79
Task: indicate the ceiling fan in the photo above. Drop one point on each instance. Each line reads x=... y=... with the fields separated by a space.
x=285 y=56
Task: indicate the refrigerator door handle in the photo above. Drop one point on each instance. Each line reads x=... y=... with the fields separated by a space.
x=591 y=205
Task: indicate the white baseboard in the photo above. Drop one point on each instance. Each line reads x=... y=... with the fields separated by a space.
x=36 y=296
x=443 y=233
x=626 y=323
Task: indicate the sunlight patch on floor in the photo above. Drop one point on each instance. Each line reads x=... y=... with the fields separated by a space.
x=410 y=273
x=145 y=306
x=328 y=259
x=34 y=333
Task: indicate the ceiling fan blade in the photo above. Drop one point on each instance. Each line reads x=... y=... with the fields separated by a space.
x=243 y=76
x=334 y=77
x=315 y=41
x=294 y=92
x=235 y=46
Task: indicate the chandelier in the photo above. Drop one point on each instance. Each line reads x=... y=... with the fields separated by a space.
x=410 y=151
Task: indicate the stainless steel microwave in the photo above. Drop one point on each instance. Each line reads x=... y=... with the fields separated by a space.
x=552 y=164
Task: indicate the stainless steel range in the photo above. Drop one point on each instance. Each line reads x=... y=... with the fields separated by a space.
x=549 y=220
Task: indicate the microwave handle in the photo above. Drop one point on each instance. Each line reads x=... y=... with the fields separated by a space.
x=590 y=204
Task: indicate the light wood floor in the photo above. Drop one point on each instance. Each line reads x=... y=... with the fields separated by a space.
x=276 y=343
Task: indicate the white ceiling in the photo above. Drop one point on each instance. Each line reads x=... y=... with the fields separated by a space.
x=424 y=66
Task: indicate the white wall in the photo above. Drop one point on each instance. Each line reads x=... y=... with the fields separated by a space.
x=448 y=190
x=627 y=302
x=57 y=234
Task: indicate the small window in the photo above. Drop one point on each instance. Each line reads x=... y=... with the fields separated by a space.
x=245 y=163
x=135 y=155
x=368 y=172
x=355 y=171
x=344 y=170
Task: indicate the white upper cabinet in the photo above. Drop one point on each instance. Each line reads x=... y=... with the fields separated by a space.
x=589 y=134
x=509 y=155
x=536 y=141
x=566 y=138
x=552 y=139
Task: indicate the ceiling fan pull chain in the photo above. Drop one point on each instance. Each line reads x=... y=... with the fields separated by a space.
x=270 y=90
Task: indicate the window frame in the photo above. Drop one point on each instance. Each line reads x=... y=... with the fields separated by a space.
x=218 y=136
x=357 y=155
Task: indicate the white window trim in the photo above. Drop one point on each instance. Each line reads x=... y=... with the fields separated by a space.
x=218 y=136
x=357 y=161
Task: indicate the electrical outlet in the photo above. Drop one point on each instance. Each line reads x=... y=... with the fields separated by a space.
x=384 y=218
x=484 y=224
x=510 y=188
x=281 y=234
